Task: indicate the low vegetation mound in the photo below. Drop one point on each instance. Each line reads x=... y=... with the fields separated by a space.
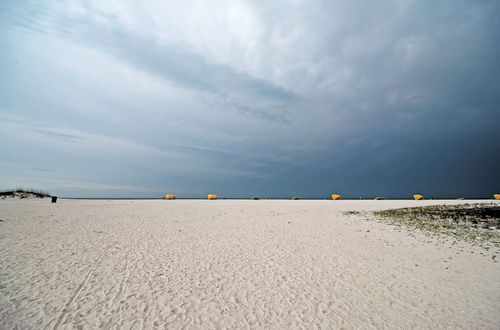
x=23 y=193
x=474 y=222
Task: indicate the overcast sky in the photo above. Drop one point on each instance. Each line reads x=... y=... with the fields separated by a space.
x=243 y=98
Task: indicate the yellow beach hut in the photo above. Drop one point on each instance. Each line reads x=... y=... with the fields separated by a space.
x=169 y=196
x=418 y=197
x=212 y=196
x=496 y=196
x=336 y=196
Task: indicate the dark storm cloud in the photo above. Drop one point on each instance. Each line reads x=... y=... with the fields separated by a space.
x=361 y=98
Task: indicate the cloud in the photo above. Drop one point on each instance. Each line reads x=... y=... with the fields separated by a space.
x=295 y=95
x=172 y=60
x=58 y=135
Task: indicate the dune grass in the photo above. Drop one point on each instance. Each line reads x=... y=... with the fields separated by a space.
x=24 y=193
x=477 y=223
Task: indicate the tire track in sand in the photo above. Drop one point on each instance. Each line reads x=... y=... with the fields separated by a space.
x=64 y=311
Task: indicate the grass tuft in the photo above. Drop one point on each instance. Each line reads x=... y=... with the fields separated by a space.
x=351 y=213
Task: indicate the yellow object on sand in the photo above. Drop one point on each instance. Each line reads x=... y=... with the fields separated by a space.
x=378 y=198
x=496 y=196
x=335 y=197
x=169 y=196
x=418 y=197
x=295 y=198
x=460 y=199
x=213 y=196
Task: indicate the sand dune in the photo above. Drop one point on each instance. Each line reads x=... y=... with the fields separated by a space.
x=235 y=264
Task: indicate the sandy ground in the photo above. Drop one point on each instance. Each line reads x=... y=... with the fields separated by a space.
x=235 y=264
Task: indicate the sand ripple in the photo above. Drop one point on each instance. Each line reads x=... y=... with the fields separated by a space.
x=234 y=264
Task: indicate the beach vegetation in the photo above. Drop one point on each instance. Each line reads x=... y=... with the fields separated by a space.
x=351 y=213
x=471 y=222
x=24 y=193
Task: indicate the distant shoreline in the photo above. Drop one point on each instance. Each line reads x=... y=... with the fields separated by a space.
x=262 y=198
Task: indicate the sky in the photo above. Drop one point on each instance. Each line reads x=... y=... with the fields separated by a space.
x=251 y=98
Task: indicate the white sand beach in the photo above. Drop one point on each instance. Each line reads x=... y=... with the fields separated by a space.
x=235 y=264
